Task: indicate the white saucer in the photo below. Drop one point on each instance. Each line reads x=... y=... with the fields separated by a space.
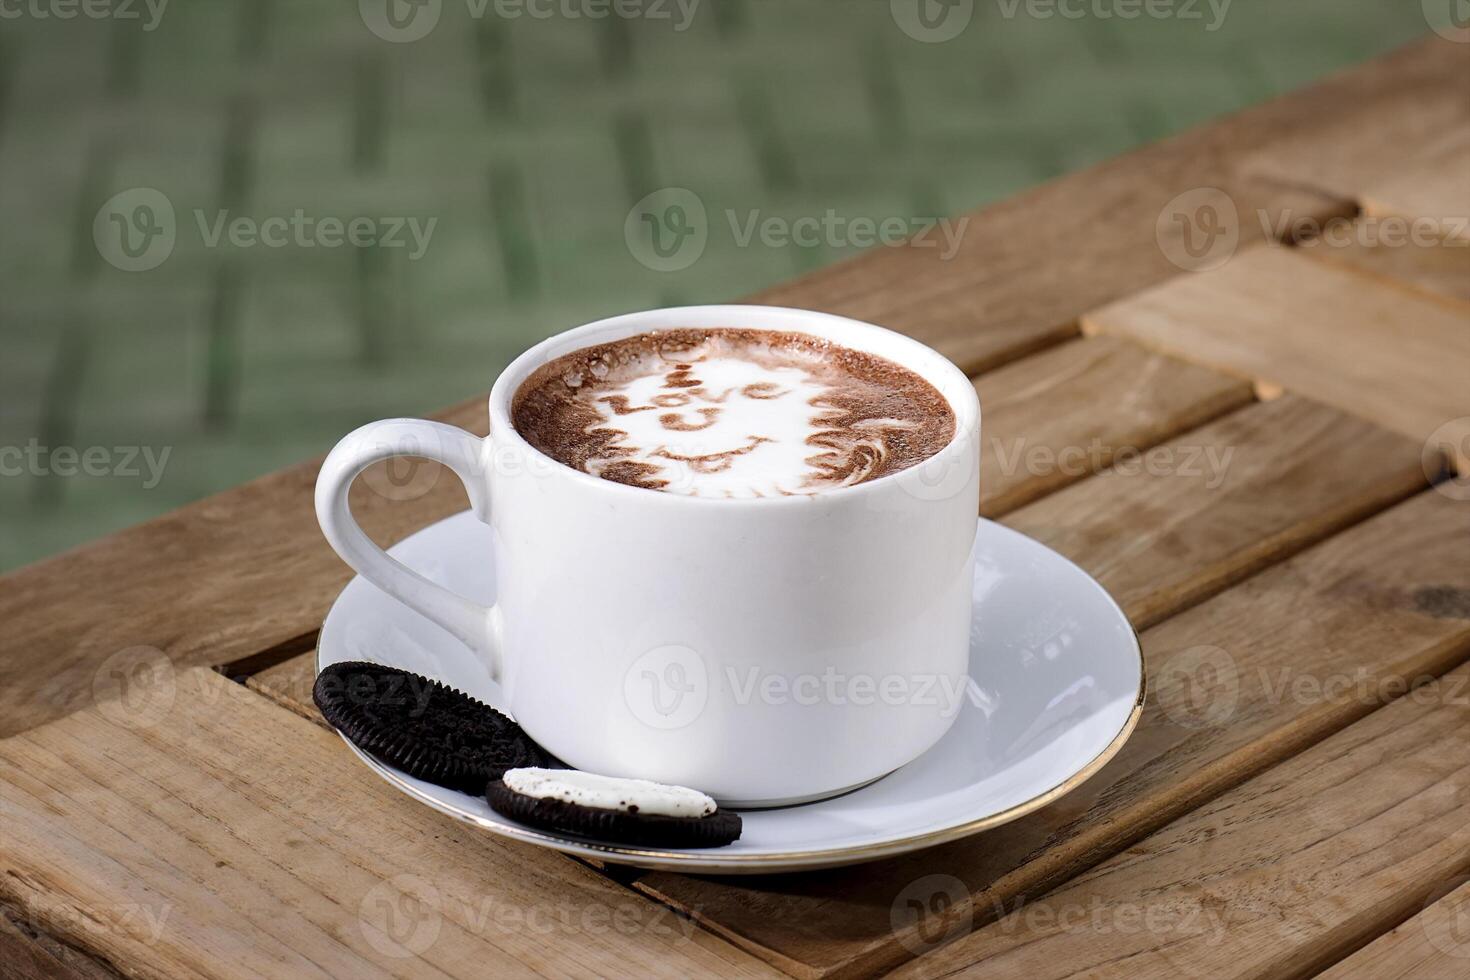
x=1057 y=687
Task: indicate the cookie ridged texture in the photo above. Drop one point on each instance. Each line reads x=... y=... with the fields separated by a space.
x=427 y=729
x=614 y=826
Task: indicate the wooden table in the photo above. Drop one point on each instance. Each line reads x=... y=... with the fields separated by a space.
x=1249 y=433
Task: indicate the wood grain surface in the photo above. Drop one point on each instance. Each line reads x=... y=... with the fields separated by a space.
x=1395 y=357
x=217 y=581
x=1017 y=278
x=1349 y=154
x=1201 y=730
x=1436 y=266
x=1432 y=187
x=1295 y=797
x=1165 y=528
x=27 y=953
x=246 y=571
x=289 y=685
x=1237 y=684
x=193 y=828
x=1433 y=945
x=1055 y=417
x=1326 y=851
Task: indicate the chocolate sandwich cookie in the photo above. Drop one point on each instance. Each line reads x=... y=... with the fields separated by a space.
x=427 y=729
x=608 y=810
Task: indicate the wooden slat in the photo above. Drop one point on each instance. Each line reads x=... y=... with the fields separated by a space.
x=1349 y=154
x=1055 y=417
x=224 y=578
x=1433 y=945
x=1204 y=510
x=1320 y=438
x=1024 y=265
x=196 y=829
x=246 y=570
x=1020 y=280
x=289 y=685
x=1384 y=601
x=1395 y=357
x=26 y=954
x=1432 y=185
x=1275 y=878
x=21 y=959
x=1442 y=268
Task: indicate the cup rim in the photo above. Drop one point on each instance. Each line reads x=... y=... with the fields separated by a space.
x=826 y=326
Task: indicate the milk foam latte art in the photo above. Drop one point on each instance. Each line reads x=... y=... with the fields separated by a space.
x=731 y=413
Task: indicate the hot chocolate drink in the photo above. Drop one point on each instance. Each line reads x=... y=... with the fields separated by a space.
x=731 y=413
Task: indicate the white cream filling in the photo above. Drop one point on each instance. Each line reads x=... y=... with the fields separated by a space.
x=609 y=793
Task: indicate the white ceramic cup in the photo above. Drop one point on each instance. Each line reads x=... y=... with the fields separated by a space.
x=765 y=651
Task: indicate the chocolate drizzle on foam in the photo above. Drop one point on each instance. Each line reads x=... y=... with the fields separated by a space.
x=727 y=412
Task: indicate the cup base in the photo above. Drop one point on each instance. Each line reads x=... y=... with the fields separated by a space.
x=797 y=800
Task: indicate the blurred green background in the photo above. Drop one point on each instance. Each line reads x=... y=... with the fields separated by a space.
x=145 y=363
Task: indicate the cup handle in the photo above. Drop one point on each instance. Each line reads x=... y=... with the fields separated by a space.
x=465 y=454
